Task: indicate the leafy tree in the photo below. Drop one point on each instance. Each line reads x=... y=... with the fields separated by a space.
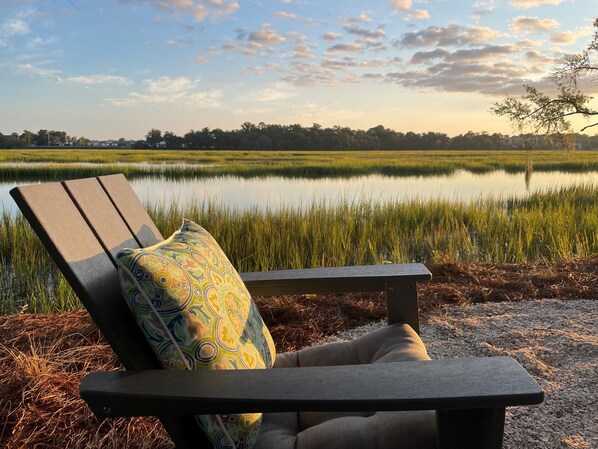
x=27 y=138
x=153 y=137
x=172 y=140
x=543 y=114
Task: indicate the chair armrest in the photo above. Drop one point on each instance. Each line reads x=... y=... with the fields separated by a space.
x=333 y=280
x=425 y=385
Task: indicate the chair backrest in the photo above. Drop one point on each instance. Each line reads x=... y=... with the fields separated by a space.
x=83 y=224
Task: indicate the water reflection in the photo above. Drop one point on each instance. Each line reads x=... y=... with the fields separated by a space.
x=274 y=192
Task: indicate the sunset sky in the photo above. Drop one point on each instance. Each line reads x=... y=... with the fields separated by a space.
x=110 y=69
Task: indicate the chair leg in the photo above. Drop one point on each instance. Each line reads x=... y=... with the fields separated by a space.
x=401 y=303
x=471 y=429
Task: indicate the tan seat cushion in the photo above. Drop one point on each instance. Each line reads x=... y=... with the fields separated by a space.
x=348 y=430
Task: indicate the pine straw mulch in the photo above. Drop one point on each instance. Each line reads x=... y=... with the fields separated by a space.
x=43 y=357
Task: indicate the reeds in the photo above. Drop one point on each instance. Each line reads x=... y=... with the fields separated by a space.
x=178 y=164
x=549 y=226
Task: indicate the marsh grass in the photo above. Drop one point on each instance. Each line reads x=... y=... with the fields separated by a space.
x=176 y=164
x=550 y=226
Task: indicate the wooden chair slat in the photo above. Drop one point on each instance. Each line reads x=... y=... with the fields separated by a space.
x=87 y=267
x=130 y=208
x=100 y=213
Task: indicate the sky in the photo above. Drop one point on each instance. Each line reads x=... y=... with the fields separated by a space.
x=117 y=68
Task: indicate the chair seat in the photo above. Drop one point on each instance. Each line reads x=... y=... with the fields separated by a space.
x=348 y=430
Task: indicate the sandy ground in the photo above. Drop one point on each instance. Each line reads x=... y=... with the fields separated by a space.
x=556 y=341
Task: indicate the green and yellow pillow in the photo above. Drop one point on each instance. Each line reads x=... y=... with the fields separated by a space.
x=196 y=313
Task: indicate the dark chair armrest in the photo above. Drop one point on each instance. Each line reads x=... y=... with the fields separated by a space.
x=426 y=385
x=333 y=280
x=398 y=281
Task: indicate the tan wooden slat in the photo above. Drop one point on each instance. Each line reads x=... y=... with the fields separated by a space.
x=101 y=214
x=130 y=208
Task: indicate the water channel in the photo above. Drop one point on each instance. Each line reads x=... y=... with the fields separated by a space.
x=273 y=192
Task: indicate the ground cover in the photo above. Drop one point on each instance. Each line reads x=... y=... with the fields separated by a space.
x=43 y=357
x=58 y=164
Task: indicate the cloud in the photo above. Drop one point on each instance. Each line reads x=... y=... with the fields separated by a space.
x=531 y=25
x=284 y=15
x=14 y=27
x=421 y=57
x=190 y=40
x=95 y=80
x=563 y=38
x=488 y=52
x=538 y=58
x=310 y=112
x=292 y=16
x=265 y=36
x=358 y=30
x=199 y=10
x=405 y=7
x=487 y=78
x=450 y=35
x=183 y=91
x=569 y=37
x=303 y=51
x=344 y=48
x=482 y=8
x=301 y=73
x=38 y=70
x=419 y=14
x=528 y=43
x=331 y=36
x=483 y=53
x=533 y=3
x=363 y=17
x=268 y=95
x=257 y=42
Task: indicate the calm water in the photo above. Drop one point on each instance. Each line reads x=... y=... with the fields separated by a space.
x=272 y=192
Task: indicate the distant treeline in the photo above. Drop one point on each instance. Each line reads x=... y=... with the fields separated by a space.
x=296 y=137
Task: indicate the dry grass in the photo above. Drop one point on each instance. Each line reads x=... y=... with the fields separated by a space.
x=43 y=357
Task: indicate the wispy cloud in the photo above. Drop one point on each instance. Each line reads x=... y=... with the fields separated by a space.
x=482 y=8
x=265 y=36
x=292 y=16
x=183 y=91
x=344 y=48
x=404 y=7
x=199 y=10
x=326 y=115
x=533 y=3
x=95 y=80
x=257 y=42
x=15 y=26
x=331 y=36
x=569 y=37
x=268 y=95
x=43 y=71
x=531 y=25
x=37 y=70
x=451 y=35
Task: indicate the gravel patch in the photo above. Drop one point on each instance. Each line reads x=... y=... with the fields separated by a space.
x=557 y=343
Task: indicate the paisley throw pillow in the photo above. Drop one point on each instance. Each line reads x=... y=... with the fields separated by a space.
x=196 y=313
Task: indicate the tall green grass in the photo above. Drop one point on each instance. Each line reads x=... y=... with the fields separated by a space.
x=549 y=226
x=66 y=164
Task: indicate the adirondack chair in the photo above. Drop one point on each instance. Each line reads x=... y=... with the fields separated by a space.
x=84 y=223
